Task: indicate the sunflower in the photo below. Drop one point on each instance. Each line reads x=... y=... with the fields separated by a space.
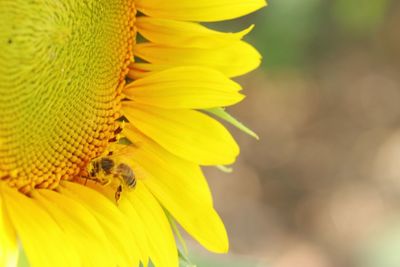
x=77 y=88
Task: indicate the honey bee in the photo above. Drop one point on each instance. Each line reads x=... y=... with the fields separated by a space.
x=106 y=170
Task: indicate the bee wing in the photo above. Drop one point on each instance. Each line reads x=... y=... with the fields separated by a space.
x=122 y=153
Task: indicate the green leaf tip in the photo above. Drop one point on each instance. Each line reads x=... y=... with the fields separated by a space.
x=222 y=114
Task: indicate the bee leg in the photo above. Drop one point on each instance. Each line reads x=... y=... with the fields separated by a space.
x=118 y=193
x=106 y=182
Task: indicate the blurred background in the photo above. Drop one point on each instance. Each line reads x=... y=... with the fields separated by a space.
x=322 y=186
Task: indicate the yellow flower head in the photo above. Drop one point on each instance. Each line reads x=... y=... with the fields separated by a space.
x=96 y=147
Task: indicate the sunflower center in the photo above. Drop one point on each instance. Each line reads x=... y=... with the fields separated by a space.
x=62 y=66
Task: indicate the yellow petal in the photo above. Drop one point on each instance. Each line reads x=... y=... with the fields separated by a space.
x=185 y=87
x=234 y=59
x=39 y=233
x=139 y=227
x=152 y=220
x=185 y=34
x=186 y=133
x=108 y=219
x=141 y=70
x=204 y=10
x=8 y=240
x=80 y=226
x=147 y=154
x=135 y=73
x=182 y=189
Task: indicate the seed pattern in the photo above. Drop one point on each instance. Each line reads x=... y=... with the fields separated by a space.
x=62 y=68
